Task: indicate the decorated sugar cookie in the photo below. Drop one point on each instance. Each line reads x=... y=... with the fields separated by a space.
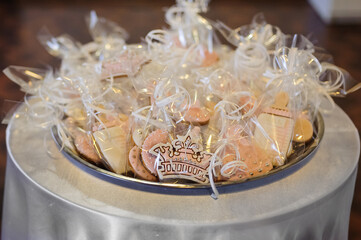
x=85 y=147
x=125 y=64
x=82 y=142
x=278 y=124
x=112 y=142
x=303 y=130
x=149 y=159
x=253 y=162
x=197 y=116
x=182 y=159
x=138 y=137
x=138 y=167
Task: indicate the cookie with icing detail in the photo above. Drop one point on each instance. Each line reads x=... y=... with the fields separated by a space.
x=138 y=167
x=157 y=136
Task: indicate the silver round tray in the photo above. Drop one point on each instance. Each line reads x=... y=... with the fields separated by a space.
x=294 y=162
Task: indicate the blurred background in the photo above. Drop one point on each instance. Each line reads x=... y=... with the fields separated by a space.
x=331 y=24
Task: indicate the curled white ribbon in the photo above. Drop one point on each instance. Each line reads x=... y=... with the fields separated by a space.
x=300 y=72
x=231 y=111
x=190 y=26
x=265 y=34
x=156 y=38
x=250 y=61
x=169 y=99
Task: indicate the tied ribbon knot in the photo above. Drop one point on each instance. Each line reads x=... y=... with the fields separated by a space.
x=169 y=99
x=299 y=72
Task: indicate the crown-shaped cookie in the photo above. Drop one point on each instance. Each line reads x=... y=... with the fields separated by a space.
x=183 y=158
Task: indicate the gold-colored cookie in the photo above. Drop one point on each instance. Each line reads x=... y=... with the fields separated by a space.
x=303 y=130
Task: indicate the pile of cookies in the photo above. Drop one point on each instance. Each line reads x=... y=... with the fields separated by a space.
x=181 y=107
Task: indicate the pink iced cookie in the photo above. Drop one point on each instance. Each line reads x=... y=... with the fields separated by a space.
x=138 y=167
x=197 y=116
x=85 y=147
x=125 y=64
x=158 y=136
x=258 y=162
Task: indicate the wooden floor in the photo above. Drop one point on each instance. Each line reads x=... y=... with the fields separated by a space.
x=22 y=20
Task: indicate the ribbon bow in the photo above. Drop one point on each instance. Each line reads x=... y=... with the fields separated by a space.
x=299 y=72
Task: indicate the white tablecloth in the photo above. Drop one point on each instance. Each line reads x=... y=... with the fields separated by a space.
x=47 y=197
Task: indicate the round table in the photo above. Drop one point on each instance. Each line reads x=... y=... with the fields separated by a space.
x=47 y=197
